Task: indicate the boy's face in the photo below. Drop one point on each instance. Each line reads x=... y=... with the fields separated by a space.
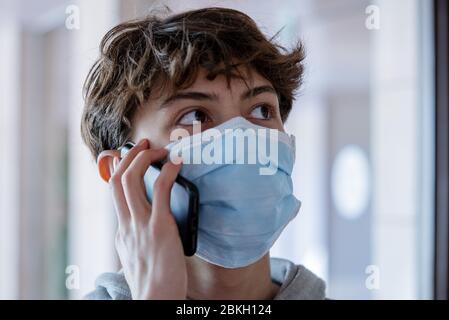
x=211 y=103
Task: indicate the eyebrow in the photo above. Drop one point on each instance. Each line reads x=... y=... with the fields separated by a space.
x=196 y=95
x=190 y=95
x=256 y=91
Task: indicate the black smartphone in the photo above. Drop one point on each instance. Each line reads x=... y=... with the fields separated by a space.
x=184 y=203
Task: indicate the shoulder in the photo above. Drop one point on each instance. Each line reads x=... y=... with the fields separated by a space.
x=110 y=286
x=296 y=281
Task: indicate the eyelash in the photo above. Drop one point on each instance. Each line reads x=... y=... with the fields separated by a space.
x=185 y=112
x=271 y=109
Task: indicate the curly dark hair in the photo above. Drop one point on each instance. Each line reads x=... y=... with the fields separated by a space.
x=163 y=54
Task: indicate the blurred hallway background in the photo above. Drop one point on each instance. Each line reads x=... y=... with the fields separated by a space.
x=364 y=123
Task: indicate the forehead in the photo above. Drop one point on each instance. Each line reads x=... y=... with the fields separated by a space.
x=245 y=78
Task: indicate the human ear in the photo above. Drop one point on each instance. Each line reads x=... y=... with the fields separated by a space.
x=105 y=163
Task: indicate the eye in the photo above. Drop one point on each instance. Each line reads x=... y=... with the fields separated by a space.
x=195 y=115
x=263 y=112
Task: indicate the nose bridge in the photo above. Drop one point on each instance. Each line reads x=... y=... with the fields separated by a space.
x=229 y=115
x=231 y=108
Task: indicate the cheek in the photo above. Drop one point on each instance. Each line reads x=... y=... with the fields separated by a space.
x=153 y=130
x=159 y=140
x=280 y=125
x=275 y=123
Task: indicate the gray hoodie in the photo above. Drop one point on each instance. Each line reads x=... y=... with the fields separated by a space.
x=297 y=283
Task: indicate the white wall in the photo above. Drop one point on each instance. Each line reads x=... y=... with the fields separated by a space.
x=9 y=152
x=91 y=218
x=395 y=148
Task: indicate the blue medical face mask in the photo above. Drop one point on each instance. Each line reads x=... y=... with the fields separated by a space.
x=244 y=206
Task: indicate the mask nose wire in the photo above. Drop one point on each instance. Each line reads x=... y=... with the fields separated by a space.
x=233 y=117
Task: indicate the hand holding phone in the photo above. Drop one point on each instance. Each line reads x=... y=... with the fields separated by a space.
x=184 y=202
x=147 y=241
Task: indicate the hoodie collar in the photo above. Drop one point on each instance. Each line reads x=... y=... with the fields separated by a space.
x=297 y=283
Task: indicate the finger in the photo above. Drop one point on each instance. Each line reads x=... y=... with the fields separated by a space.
x=115 y=182
x=162 y=189
x=118 y=198
x=134 y=187
x=131 y=154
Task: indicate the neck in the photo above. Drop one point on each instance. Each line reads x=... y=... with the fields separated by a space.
x=208 y=281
